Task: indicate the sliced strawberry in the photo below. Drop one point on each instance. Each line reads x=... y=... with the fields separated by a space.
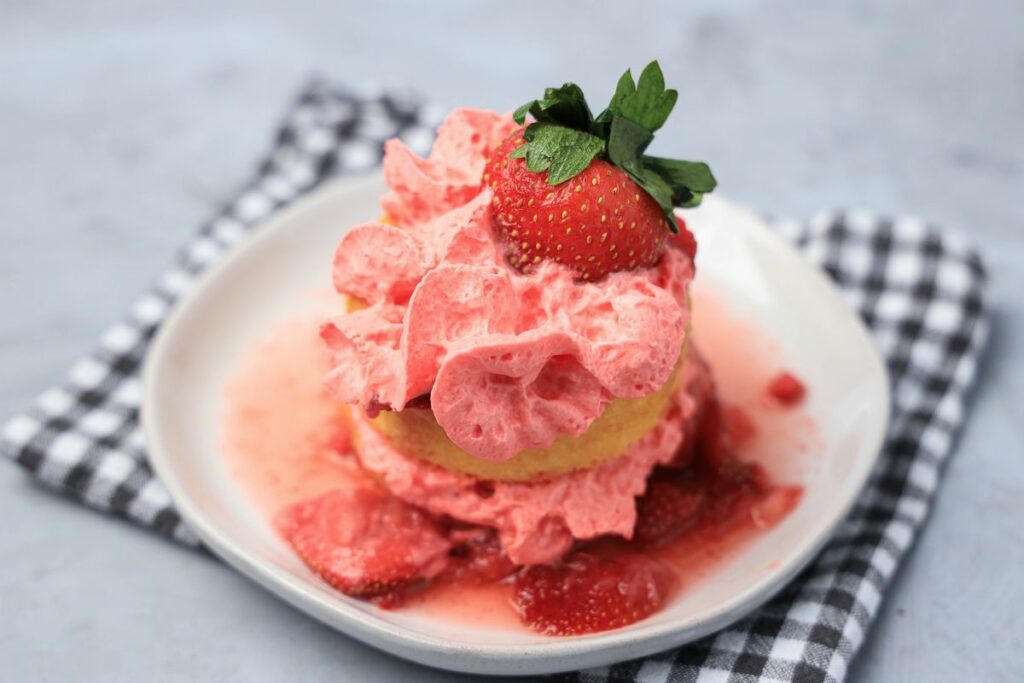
x=585 y=593
x=705 y=490
x=787 y=389
x=477 y=557
x=729 y=484
x=669 y=508
x=365 y=542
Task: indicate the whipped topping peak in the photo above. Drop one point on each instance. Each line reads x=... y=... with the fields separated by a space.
x=511 y=361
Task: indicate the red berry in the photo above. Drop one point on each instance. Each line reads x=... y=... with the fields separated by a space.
x=596 y=223
x=365 y=542
x=585 y=593
x=786 y=389
x=666 y=511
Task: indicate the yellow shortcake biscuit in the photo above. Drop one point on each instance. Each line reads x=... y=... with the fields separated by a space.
x=415 y=432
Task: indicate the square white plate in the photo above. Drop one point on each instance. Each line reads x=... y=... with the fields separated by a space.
x=749 y=267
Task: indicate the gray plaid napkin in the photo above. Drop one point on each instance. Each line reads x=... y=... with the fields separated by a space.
x=920 y=292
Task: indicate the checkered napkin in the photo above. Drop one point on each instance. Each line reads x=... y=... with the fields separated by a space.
x=920 y=292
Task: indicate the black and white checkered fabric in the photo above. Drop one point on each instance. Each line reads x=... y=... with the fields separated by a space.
x=920 y=292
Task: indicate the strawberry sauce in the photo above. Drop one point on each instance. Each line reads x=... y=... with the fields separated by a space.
x=286 y=444
x=282 y=435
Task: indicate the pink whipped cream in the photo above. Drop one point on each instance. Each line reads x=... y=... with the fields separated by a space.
x=537 y=522
x=511 y=361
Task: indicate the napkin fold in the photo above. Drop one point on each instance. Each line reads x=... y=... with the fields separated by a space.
x=920 y=292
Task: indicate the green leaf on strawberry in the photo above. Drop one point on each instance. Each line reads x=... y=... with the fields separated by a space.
x=563 y=152
x=655 y=185
x=627 y=141
x=671 y=182
x=695 y=175
x=565 y=138
x=566 y=106
x=645 y=102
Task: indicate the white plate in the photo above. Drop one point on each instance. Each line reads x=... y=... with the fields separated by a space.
x=748 y=266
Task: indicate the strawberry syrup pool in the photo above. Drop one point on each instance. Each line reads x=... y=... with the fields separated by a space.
x=285 y=442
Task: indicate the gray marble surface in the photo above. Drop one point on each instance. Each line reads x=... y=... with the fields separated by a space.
x=123 y=125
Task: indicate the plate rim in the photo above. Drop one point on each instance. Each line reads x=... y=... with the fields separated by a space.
x=426 y=649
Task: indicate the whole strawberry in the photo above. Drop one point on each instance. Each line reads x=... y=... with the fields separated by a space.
x=598 y=222
x=580 y=191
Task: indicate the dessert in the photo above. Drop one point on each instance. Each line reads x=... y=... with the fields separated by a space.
x=522 y=398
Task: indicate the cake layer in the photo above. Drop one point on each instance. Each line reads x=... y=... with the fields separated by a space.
x=416 y=432
x=538 y=521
